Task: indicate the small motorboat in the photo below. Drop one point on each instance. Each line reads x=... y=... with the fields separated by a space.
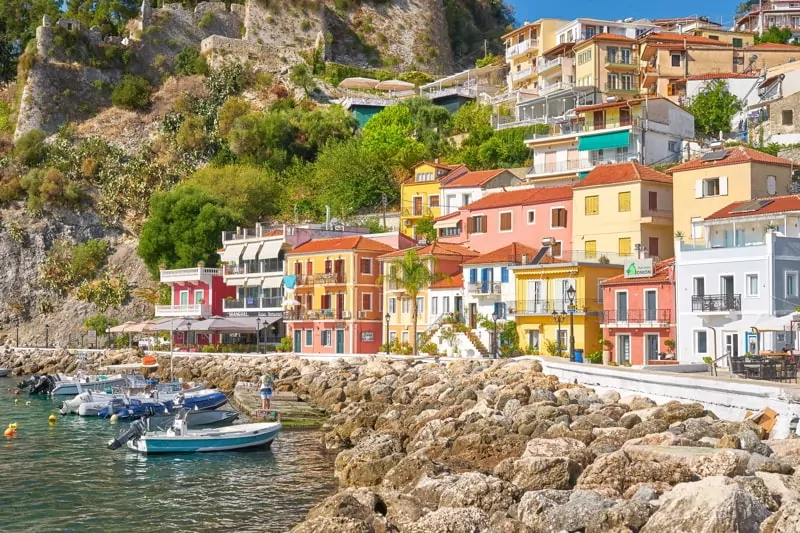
x=132 y=409
x=196 y=419
x=180 y=439
x=89 y=383
x=4 y=372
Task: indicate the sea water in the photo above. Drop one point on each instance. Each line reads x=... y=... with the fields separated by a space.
x=62 y=478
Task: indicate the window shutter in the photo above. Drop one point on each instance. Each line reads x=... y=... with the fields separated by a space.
x=563 y=217
x=554 y=217
x=723 y=186
x=590 y=249
x=698 y=188
x=504 y=274
x=473 y=275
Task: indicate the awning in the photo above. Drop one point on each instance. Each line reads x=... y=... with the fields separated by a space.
x=604 y=141
x=251 y=251
x=236 y=282
x=582 y=175
x=231 y=253
x=448 y=223
x=270 y=249
x=250 y=321
x=776 y=323
x=272 y=282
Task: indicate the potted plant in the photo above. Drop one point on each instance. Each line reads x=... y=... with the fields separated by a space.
x=670 y=344
x=708 y=361
x=607 y=348
x=679 y=235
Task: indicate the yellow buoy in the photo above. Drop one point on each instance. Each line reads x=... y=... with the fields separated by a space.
x=10 y=431
x=51 y=419
x=16 y=401
x=114 y=419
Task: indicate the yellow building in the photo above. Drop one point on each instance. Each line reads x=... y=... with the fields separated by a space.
x=619 y=210
x=523 y=46
x=610 y=63
x=542 y=306
x=705 y=185
x=421 y=195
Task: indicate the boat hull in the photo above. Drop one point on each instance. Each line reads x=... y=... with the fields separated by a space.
x=197 y=419
x=206 y=441
x=72 y=388
x=4 y=372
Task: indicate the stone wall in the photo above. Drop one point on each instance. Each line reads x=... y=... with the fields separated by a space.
x=774 y=125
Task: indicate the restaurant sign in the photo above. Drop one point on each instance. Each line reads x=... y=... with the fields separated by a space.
x=639 y=268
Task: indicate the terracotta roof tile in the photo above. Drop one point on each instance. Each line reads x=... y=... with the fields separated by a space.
x=436 y=165
x=471 y=179
x=436 y=249
x=606 y=37
x=661 y=272
x=507 y=254
x=721 y=76
x=777 y=204
x=681 y=38
x=448 y=216
x=336 y=244
x=452 y=282
x=508 y=198
x=621 y=173
x=734 y=156
x=773 y=47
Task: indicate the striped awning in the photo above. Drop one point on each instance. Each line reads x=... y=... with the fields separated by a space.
x=251 y=251
x=232 y=253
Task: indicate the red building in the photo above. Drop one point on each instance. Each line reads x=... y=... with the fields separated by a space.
x=639 y=312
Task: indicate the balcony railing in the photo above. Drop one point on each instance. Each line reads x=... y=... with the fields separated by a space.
x=305 y=280
x=547 y=307
x=413 y=212
x=717 y=302
x=241 y=234
x=484 y=289
x=188 y=274
x=577 y=165
x=271 y=267
x=522 y=74
x=547 y=65
x=554 y=87
x=622 y=317
x=521 y=48
x=573 y=128
x=188 y=310
x=301 y=313
x=251 y=303
x=619 y=60
x=331 y=278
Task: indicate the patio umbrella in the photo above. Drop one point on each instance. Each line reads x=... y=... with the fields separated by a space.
x=358 y=83
x=121 y=327
x=290 y=303
x=139 y=327
x=395 y=85
x=220 y=324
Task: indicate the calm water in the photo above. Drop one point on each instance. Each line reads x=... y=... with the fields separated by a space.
x=63 y=479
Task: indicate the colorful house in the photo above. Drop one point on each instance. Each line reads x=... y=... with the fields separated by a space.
x=639 y=313
x=524 y=215
x=441 y=258
x=610 y=63
x=420 y=195
x=196 y=292
x=542 y=306
x=621 y=210
x=333 y=302
x=472 y=186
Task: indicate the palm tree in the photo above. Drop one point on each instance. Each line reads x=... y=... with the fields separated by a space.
x=412 y=275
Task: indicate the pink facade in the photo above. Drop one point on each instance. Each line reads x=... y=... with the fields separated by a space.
x=639 y=316
x=336 y=337
x=203 y=293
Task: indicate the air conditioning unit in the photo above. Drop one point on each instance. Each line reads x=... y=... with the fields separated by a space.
x=407 y=223
x=362 y=315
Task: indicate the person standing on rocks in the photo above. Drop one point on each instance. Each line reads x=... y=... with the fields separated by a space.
x=265 y=390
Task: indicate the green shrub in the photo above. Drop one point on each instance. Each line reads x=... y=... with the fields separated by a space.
x=67 y=265
x=189 y=62
x=232 y=109
x=100 y=323
x=206 y=19
x=191 y=135
x=6 y=124
x=109 y=291
x=305 y=25
x=133 y=93
x=285 y=345
x=30 y=149
x=49 y=187
x=595 y=358
x=429 y=348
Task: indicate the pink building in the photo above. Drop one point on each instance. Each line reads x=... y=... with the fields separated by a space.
x=525 y=216
x=639 y=313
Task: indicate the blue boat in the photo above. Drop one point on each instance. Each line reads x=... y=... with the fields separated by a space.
x=206 y=399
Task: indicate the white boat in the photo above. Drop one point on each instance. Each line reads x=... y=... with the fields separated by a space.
x=4 y=372
x=91 y=403
x=73 y=386
x=180 y=439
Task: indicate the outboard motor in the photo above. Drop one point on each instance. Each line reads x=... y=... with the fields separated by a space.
x=22 y=385
x=44 y=385
x=135 y=431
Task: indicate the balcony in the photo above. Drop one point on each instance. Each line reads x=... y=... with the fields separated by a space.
x=547 y=307
x=621 y=89
x=522 y=74
x=555 y=87
x=244 y=304
x=182 y=275
x=331 y=278
x=621 y=62
x=270 y=266
x=521 y=48
x=717 y=303
x=579 y=128
x=578 y=165
x=242 y=234
x=410 y=212
x=484 y=289
x=544 y=66
x=319 y=314
x=622 y=318
x=189 y=310
x=656 y=216
x=306 y=281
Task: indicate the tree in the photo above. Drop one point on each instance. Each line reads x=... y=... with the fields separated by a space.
x=250 y=194
x=424 y=228
x=110 y=15
x=412 y=275
x=302 y=77
x=100 y=323
x=18 y=22
x=390 y=136
x=775 y=35
x=714 y=109
x=133 y=93
x=185 y=226
x=744 y=8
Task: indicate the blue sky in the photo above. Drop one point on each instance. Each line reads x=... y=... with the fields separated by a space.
x=570 y=9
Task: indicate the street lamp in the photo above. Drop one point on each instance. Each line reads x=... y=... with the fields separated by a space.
x=46 y=335
x=188 y=327
x=559 y=318
x=18 y=333
x=571 y=300
x=258 y=335
x=108 y=338
x=388 y=317
x=494 y=336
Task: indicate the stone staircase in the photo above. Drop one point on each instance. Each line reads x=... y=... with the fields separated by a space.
x=478 y=344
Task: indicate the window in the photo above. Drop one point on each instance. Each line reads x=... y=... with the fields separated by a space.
x=699 y=286
x=405 y=337
x=533 y=339
x=584 y=57
x=652 y=200
x=366 y=302
x=625 y=56
x=184 y=298
x=613 y=82
x=627 y=82
x=714 y=37
x=590 y=248
x=405 y=306
x=392 y=306
x=420 y=305
x=503 y=274
x=466 y=199
x=676 y=60
x=791 y=284
x=751 y=284
x=199 y=296
x=477 y=224
x=558 y=217
x=625 y=246
x=652 y=246
x=787 y=117
x=309 y=337
x=592 y=205
x=473 y=275
x=697 y=227
x=612 y=54
x=737 y=43
x=556 y=249
x=673 y=146
x=424 y=176
x=446 y=304
x=711 y=187
x=531 y=217
x=366 y=266
x=738 y=60
x=505 y=221
x=326 y=337
x=433 y=200
x=435 y=305
x=309 y=268
x=326 y=301
x=701 y=342
x=392 y=336
x=624 y=201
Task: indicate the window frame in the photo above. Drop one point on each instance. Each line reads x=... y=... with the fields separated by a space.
x=309 y=337
x=566 y=215
x=694 y=285
x=365 y=261
x=747 y=277
x=430 y=200
x=783 y=117
x=786 y=275
x=366 y=297
x=510 y=221
x=483 y=225
x=672 y=60
x=434 y=305
x=528 y=216
x=587 y=205
x=323 y=334
x=620 y=240
x=620 y=196
x=392 y=306
x=696 y=337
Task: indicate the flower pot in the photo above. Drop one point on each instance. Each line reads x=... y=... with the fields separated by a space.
x=606 y=357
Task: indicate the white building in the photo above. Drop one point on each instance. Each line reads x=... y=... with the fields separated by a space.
x=747 y=270
x=767 y=13
x=472 y=186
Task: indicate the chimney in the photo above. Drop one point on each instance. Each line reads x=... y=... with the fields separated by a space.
x=524 y=258
x=437 y=160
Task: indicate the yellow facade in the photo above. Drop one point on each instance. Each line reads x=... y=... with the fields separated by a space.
x=611 y=65
x=693 y=199
x=421 y=196
x=541 y=289
x=739 y=39
x=524 y=45
x=611 y=219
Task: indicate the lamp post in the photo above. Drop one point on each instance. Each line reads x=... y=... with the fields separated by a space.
x=18 y=333
x=108 y=338
x=46 y=335
x=188 y=327
x=494 y=336
x=571 y=300
x=258 y=335
x=559 y=318
x=388 y=317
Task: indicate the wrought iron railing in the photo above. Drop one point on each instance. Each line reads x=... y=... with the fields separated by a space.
x=637 y=316
x=717 y=302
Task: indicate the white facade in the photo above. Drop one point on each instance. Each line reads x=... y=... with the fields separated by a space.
x=453 y=199
x=586 y=28
x=486 y=289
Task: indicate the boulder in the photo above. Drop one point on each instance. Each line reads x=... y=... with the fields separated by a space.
x=338 y=524
x=760 y=463
x=712 y=505
x=473 y=489
x=451 y=520
x=617 y=471
x=366 y=463
x=756 y=487
x=702 y=462
x=787 y=450
x=559 y=447
x=359 y=504
x=539 y=473
x=782 y=487
x=729 y=441
x=405 y=475
x=786 y=520
x=561 y=510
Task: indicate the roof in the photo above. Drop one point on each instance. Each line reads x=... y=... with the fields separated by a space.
x=621 y=173
x=661 y=271
x=273 y=233
x=618 y=103
x=451 y=282
x=335 y=244
x=472 y=179
x=513 y=197
x=507 y=254
x=683 y=38
x=606 y=37
x=454 y=170
x=776 y=204
x=721 y=76
x=769 y=47
x=559 y=49
x=733 y=156
x=436 y=249
x=449 y=215
x=436 y=165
